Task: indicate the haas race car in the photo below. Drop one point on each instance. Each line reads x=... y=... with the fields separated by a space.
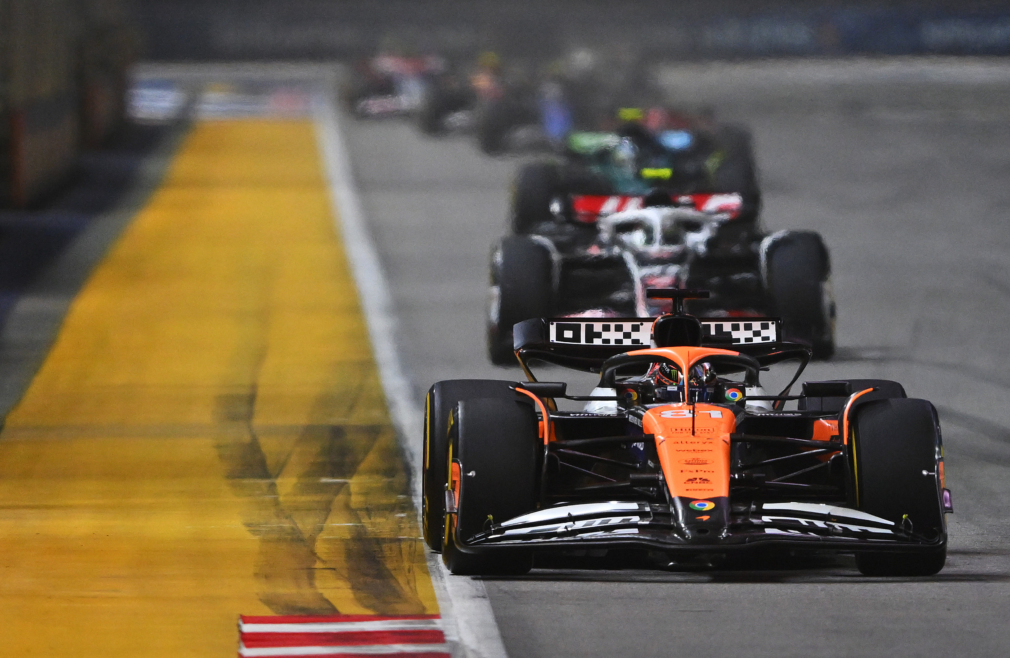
x=680 y=452
x=599 y=259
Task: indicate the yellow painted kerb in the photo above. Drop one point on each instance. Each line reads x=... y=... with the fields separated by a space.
x=208 y=436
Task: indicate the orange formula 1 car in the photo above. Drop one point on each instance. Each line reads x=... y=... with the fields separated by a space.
x=680 y=452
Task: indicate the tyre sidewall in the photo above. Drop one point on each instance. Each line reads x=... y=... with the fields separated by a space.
x=495 y=441
x=522 y=287
x=535 y=186
x=797 y=278
x=439 y=404
x=896 y=446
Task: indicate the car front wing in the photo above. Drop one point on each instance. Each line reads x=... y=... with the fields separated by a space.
x=644 y=525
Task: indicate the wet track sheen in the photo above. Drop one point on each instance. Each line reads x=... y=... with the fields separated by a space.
x=903 y=168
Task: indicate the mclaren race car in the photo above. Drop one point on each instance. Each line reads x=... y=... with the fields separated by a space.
x=680 y=452
x=599 y=260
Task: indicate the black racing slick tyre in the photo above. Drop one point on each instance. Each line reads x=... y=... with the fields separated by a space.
x=441 y=97
x=431 y=113
x=734 y=167
x=533 y=189
x=522 y=287
x=442 y=398
x=896 y=466
x=495 y=445
x=494 y=120
x=797 y=272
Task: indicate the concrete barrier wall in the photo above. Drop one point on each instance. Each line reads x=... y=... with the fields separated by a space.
x=300 y=29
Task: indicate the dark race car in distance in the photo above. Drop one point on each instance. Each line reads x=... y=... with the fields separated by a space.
x=581 y=91
x=655 y=148
x=389 y=84
x=680 y=452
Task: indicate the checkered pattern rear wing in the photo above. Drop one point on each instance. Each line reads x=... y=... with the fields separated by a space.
x=635 y=333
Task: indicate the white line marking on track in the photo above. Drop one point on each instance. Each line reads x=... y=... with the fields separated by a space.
x=343 y=626
x=463 y=601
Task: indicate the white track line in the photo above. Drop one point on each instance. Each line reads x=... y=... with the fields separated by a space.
x=357 y=650
x=463 y=601
x=343 y=626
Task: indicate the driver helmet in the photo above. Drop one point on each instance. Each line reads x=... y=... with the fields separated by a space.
x=666 y=379
x=581 y=63
x=670 y=384
x=664 y=374
x=625 y=155
x=701 y=382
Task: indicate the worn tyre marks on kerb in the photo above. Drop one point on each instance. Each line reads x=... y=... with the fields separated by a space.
x=463 y=601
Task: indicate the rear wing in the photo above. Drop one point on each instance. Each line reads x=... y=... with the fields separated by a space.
x=585 y=343
x=587 y=209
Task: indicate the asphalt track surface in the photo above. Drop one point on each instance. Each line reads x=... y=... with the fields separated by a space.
x=903 y=167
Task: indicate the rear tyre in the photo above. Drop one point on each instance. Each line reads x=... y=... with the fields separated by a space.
x=436 y=104
x=896 y=455
x=737 y=170
x=438 y=405
x=798 y=281
x=534 y=188
x=494 y=440
x=522 y=287
x=494 y=120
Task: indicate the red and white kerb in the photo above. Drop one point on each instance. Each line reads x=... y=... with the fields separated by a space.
x=413 y=636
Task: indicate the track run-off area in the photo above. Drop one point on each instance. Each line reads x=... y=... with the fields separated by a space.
x=208 y=436
x=214 y=430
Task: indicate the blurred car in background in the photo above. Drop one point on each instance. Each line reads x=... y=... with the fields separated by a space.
x=653 y=148
x=451 y=97
x=389 y=84
x=581 y=91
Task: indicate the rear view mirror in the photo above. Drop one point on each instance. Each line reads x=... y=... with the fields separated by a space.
x=840 y=389
x=546 y=389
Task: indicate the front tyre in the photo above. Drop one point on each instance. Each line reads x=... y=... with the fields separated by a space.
x=522 y=287
x=442 y=398
x=492 y=466
x=897 y=456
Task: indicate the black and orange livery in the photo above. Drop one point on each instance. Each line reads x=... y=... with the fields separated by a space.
x=679 y=450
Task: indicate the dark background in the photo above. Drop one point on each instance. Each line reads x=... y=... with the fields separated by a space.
x=180 y=30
